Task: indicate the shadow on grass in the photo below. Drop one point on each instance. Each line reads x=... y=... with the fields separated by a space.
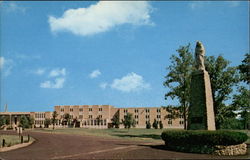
x=153 y=136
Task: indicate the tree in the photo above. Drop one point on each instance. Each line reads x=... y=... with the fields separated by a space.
x=148 y=125
x=161 y=125
x=3 y=121
x=54 y=120
x=155 y=124
x=66 y=119
x=47 y=122
x=178 y=79
x=24 y=122
x=244 y=69
x=115 y=120
x=31 y=121
x=129 y=121
x=223 y=78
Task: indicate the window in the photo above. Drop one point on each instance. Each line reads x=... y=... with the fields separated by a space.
x=181 y=122
x=158 y=116
x=181 y=116
x=105 y=122
x=80 y=116
x=125 y=110
x=71 y=109
x=147 y=116
x=158 y=110
x=137 y=122
x=62 y=109
x=136 y=110
x=100 y=116
x=136 y=116
x=169 y=122
x=90 y=109
x=147 y=110
x=90 y=116
x=100 y=109
x=80 y=109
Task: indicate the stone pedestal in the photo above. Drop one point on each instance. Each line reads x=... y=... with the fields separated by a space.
x=201 y=111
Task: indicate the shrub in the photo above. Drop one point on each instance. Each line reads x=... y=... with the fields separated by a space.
x=148 y=125
x=204 y=138
x=161 y=125
x=155 y=124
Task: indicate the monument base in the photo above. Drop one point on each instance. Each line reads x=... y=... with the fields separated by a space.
x=201 y=111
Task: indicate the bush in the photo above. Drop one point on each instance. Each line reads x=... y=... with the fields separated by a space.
x=148 y=125
x=155 y=124
x=204 y=138
x=161 y=125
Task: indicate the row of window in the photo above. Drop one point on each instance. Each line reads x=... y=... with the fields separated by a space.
x=80 y=109
x=39 y=115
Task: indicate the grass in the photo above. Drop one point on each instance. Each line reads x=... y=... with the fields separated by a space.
x=148 y=135
x=11 y=140
x=140 y=134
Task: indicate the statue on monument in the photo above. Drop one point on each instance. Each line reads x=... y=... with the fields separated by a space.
x=199 y=56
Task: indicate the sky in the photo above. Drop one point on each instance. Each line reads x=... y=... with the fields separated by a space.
x=115 y=53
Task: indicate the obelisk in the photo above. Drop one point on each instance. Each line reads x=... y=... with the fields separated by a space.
x=201 y=110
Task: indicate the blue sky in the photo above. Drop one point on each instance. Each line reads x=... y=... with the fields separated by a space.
x=116 y=53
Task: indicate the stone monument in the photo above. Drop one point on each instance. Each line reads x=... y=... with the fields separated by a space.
x=201 y=111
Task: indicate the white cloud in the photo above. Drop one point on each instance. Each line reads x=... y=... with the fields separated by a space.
x=95 y=74
x=233 y=3
x=196 y=4
x=57 y=72
x=13 y=7
x=6 y=66
x=102 y=17
x=129 y=83
x=104 y=85
x=39 y=71
x=58 y=83
x=2 y=61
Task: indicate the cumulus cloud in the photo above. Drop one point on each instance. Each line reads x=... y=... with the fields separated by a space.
x=58 y=75
x=57 y=72
x=95 y=74
x=58 y=83
x=2 y=61
x=104 y=85
x=6 y=66
x=13 y=7
x=130 y=83
x=101 y=17
x=39 y=71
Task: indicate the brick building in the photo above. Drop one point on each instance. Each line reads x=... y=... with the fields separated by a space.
x=97 y=116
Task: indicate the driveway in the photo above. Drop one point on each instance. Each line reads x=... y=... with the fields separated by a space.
x=65 y=146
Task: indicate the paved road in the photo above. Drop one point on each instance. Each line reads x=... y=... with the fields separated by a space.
x=64 y=146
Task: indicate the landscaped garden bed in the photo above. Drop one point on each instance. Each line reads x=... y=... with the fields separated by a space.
x=210 y=142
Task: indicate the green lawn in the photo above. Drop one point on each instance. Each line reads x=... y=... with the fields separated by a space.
x=11 y=140
x=148 y=135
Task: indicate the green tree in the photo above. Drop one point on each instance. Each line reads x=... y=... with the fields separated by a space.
x=129 y=121
x=244 y=69
x=223 y=78
x=241 y=101
x=148 y=125
x=66 y=119
x=47 y=122
x=155 y=124
x=53 y=119
x=24 y=122
x=178 y=79
x=3 y=121
x=115 y=120
x=161 y=124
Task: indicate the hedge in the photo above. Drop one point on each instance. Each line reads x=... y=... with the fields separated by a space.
x=204 y=138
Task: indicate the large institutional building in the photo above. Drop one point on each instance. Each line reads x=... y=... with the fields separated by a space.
x=98 y=116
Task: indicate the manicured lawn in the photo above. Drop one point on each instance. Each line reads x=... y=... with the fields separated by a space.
x=11 y=140
x=149 y=135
